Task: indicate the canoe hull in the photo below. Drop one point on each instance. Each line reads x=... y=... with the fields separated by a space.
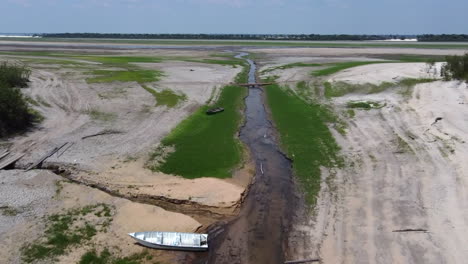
x=156 y=246
x=175 y=240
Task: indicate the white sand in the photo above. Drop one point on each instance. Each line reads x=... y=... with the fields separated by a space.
x=390 y=187
x=387 y=72
x=130 y=108
x=35 y=196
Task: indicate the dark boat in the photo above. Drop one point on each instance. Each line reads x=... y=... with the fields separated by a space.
x=213 y=111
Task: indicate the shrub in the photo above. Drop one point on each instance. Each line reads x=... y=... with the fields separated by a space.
x=15 y=114
x=456 y=68
x=14 y=75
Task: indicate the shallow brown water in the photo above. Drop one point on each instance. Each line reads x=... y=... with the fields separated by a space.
x=259 y=233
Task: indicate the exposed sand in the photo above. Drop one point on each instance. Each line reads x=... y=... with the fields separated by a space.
x=34 y=195
x=132 y=178
x=387 y=72
x=128 y=107
x=348 y=52
x=389 y=187
x=116 y=162
x=394 y=185
x=196 y=80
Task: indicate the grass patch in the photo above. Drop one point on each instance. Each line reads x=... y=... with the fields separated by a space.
x=140 y=76
x=305 y=136
x=9 y=211
x=43 y=102
x=102 y=116
x=65 y=230
x=413 y=82
x=120 y=59
x=291 y=65
x=205 y=145
x=403 y=146
x=52 y=61
x=231 y=62
x=105 y=257
x=411 y=58
x=337 y=89
x=264 y=43
x=408 y=85
x=166 y=97
x=343 y=66
x=366 y=105
x=302 y=87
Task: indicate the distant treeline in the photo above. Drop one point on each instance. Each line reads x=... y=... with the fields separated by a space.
x=426 y=37
x=226 y=36
x=443 y=37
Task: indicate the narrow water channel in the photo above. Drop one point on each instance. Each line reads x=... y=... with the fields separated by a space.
x=259 y=233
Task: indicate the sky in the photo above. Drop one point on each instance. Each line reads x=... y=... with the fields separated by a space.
x=235 y=16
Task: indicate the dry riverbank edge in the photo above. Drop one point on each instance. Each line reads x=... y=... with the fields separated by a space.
x=110 y=168
x=123 y=164
x=401 y=197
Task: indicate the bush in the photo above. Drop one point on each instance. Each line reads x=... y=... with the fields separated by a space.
x=14 y=75
x=15 y=114
x=456 y=68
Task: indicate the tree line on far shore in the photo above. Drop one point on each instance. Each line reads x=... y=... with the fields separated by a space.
x=310 y=37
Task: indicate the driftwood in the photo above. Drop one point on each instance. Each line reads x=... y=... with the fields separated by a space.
x=302 y=261
x=437 y=120
x=410 y=230
x=69 y=146
x=108 y=132
x=10 y=160
x=4 y=155
x=47 y=155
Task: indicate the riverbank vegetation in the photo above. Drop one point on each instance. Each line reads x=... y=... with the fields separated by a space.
x=305 y=136
x=65 y=230
x=262 y=43
x=456 y=68
x=315 y=37
x=337 y=89
x=165 y=97
x=205 y=145
x=342 y=66
x=15 y=112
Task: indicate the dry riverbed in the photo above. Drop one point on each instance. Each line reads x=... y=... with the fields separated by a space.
x=399 y=198
x=111 y=128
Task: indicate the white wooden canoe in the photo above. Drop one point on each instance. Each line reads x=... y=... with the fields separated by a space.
x=172 y=240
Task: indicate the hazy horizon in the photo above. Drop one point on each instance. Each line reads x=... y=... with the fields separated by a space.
x=368 y=17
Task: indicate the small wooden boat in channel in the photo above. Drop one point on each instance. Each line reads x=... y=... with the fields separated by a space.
x=172 y=240
x=213 y=111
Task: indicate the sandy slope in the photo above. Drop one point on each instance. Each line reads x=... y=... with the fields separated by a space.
x=387 y=72
x=196 y=80
x=343 y=52
x=34 y=196
x=392 y=185
x=114 y=161
x=129 y=109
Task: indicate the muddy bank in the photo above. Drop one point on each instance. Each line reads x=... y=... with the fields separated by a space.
x=259 y=233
